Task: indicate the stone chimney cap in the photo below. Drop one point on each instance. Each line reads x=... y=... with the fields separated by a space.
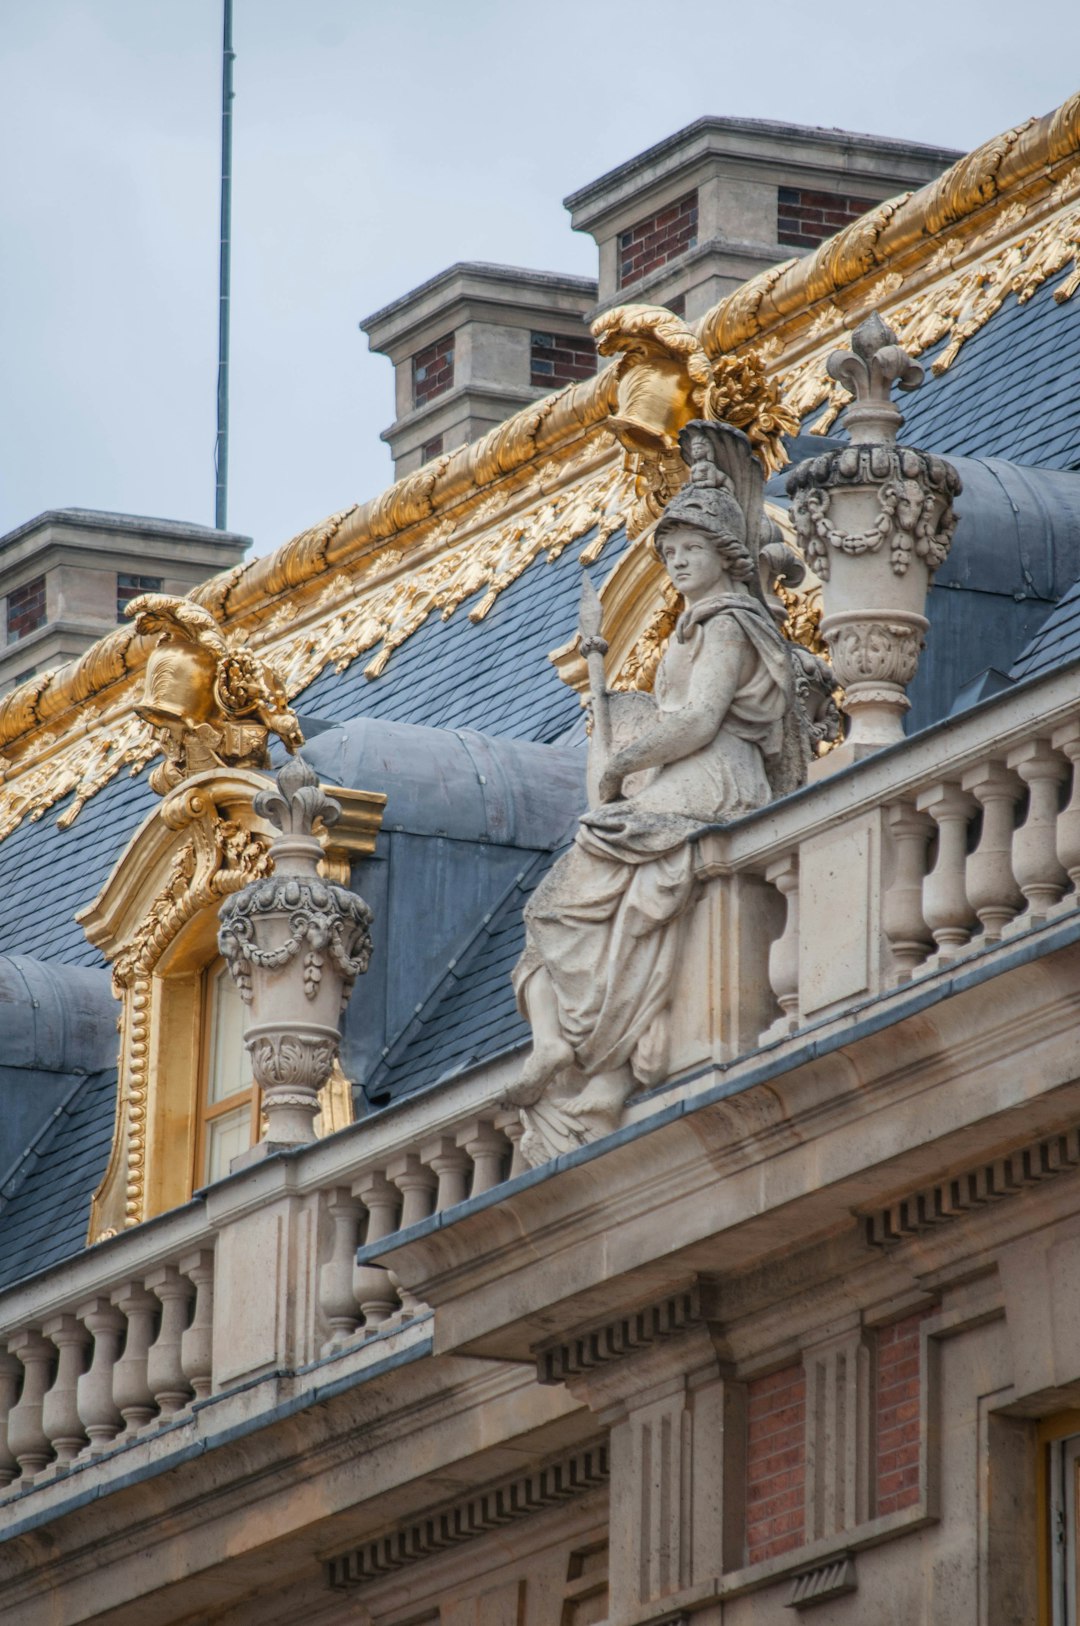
x=507 y=283
x=750 y=140
x=95 y=519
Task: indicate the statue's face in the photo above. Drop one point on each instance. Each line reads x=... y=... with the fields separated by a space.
x=693 y=563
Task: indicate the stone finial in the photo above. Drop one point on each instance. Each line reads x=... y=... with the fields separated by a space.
x=294 y=944
x=869 y=370
x=210 y=700
x=874 y=520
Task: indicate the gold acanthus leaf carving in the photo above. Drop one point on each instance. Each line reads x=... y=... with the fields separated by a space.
x=957 y=305
x=219 y=857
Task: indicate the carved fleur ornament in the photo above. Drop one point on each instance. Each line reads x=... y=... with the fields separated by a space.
x=294 y=944
x=875 y=521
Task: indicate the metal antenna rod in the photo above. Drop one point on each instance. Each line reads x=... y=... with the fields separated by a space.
x=221 y=445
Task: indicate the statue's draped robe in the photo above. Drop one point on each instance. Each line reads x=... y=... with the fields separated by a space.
x=604 y=922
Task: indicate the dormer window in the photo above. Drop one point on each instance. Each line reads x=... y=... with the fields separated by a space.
x=229 y=1100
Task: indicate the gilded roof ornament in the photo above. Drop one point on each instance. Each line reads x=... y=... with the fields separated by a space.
x=664 y=380
x=211 y=701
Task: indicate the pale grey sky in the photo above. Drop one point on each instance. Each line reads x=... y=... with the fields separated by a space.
x=376 y=141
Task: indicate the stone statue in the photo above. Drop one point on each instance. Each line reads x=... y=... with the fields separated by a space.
x=721 y=734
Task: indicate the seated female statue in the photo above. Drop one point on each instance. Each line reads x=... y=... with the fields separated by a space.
x=602 y=930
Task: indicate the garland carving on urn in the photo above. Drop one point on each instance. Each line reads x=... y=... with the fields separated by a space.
x=294 y=944
x=875 y=521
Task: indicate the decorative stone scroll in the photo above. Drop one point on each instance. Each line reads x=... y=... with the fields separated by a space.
x=294 y=944
x=874 y=520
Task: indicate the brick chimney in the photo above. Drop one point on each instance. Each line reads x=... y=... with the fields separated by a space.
x=692 y=218
x=66 y=576
x=472 y=346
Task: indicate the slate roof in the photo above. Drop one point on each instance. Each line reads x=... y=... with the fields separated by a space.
x=471 y=1015
x=47 y=873
x=1011 y=392
x=1056 y=643
x=45 y=1202
x=491 y=675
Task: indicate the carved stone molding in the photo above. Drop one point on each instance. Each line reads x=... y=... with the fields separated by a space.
x=615 y=1340
x=832 y=1579
x=975 y=1188
x=472 y=1516
x=912 y=494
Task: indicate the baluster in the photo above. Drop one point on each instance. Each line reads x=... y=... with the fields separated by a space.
x=418 y=1185
x=946 y=909
x=27 y=1440
x=784 y=952
x=451 y=1166
x=164 y=1367
x=60 y=1407
x=371 y=1284
x=487 y=1149
x=1067 y=739
x=1035 y=862
x=98 y=1411
x=132 y=1393
x=512 y=1127
x=197 y=1340
x=10 y=1377
x=336 y=1298
x=902 y=918
x=991 y=889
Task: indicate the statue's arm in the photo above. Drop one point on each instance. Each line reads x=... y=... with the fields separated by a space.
x=668 y=736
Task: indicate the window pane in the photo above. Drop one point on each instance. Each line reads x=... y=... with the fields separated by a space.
x=230 y=1064
x=226 y=1138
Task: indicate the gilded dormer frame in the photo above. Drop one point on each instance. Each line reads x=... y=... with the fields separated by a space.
x=155 y=920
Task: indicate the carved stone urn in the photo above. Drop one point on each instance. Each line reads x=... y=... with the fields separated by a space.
x=295 y=945
x=874 y=520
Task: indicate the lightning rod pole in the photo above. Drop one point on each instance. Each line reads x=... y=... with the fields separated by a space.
x=221 y=444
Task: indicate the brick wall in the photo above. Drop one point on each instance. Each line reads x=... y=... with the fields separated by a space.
x=896 y=1415
x=804 y=219
x=25 y=609
x=775 y=1463
x=651 y=243
x=433 y=370
x=677 y=304
x=431 y=448
x=559 y=358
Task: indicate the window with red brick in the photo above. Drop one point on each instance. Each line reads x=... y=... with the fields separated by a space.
x=129 y=586
x=560 y=358
x=661 y=237
x=775 y=1463
x=25 y=609
x=804 y=219
x=433 y=370
x=897 y=1413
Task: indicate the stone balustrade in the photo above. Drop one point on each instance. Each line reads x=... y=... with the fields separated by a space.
x=129 y=1338
x=928 y=853
x=898 y=868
